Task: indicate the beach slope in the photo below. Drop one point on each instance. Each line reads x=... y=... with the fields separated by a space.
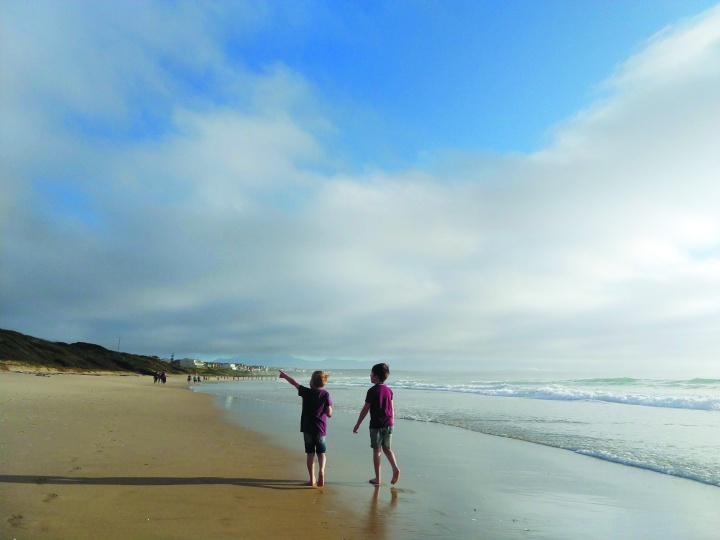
x=120 y=457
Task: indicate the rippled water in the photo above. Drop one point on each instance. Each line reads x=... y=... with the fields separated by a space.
x=667 y=426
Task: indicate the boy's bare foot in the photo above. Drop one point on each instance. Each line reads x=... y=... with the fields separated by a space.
x=396 y=477
x=311 y=483
x=374 y=481
x=321 y=480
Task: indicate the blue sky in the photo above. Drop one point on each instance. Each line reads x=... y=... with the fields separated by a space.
x=521 y=184
x=469 y=75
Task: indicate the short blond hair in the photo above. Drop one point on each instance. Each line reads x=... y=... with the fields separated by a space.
x=318 y=379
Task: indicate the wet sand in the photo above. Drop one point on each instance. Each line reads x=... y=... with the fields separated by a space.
x=461 y=484
x=86 y=457
x=118 y=457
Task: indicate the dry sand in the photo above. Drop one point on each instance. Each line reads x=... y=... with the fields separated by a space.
x=87 y=457
x=107 y=457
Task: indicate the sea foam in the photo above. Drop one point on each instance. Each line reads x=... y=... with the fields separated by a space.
x=582 y=390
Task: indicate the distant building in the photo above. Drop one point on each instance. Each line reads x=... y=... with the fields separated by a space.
x=257 y=368
x=191 y=363
x=234 y=367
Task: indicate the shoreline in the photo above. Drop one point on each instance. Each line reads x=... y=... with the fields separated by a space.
x=134 y=459
x=458 y=483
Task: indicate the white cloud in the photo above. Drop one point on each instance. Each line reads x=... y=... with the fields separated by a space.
x=228 y=231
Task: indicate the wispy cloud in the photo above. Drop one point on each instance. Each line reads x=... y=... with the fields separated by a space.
x=155 y=187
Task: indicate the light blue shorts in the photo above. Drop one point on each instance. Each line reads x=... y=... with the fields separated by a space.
x=381 y=437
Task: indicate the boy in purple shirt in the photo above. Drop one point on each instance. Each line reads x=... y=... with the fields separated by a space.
x=379 y=401
x=316 y=409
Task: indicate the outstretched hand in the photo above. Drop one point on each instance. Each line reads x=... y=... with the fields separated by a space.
x=288 y=378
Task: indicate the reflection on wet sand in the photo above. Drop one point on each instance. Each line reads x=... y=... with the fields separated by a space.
x=378 y=514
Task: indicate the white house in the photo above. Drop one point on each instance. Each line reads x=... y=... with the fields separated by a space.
x=229 y=366
x=191 y=363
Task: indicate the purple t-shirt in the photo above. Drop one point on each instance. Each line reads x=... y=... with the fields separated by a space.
x=313 y=419
x=380 y=399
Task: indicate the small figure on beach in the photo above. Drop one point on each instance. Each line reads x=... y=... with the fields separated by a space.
x=163 y=377
x=316 y=409
x=156 y=376
x=379 y=402
x=189 y=378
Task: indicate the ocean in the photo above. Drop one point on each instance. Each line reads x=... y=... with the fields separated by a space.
x=497 y=455
x=670 y=427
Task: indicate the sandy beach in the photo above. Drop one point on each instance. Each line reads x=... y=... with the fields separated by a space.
x=460 y=484
x=87 y=457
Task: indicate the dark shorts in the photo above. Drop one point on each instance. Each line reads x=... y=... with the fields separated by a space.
x=314 y=444
x=381 y=437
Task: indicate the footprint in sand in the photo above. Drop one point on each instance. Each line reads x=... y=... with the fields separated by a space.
x=75 y=469
x=16 y=520
x=50 y=496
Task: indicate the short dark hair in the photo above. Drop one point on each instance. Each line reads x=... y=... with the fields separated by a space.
x=381 y=371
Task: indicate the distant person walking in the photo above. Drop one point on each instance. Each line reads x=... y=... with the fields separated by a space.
x=379 y=402
x=316 y=409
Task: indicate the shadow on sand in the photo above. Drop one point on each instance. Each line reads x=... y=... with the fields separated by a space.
x=267 y=483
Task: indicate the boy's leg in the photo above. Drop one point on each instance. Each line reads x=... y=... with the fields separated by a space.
x=390 y=455
x=375 y=443
x=322 y=460
x=377 y=454
x=311 y=468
